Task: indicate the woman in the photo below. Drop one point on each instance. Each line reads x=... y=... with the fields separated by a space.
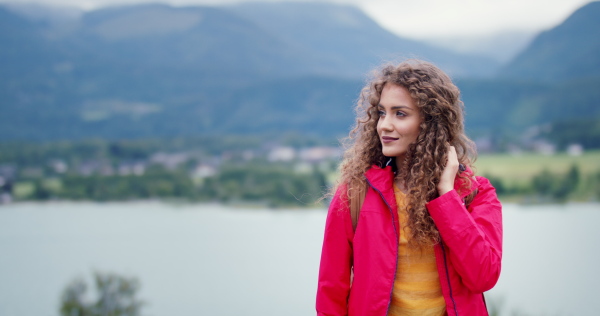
x=410 y=230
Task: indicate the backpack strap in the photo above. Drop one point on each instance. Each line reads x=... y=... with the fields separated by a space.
x=356 y=204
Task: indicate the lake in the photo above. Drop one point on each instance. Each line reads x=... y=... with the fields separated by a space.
x=214 y=260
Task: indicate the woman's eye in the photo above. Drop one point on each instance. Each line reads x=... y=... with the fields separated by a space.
x=381 y=113
x=400 y=113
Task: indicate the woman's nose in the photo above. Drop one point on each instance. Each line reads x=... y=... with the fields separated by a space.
x=386 y=123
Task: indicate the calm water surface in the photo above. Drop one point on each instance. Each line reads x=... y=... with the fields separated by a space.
x=211 y=260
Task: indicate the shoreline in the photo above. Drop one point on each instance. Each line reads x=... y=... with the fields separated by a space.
x=252 y=206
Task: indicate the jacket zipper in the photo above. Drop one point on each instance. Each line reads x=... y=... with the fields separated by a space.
x=397 y=241
x=448 y=277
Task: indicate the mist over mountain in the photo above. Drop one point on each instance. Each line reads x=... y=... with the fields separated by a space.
x=45 y=14
x=261 y=68
x=501 y=47
x=349 y=42
x=571 y=50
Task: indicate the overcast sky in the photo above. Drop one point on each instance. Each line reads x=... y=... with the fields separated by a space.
x=421 y=18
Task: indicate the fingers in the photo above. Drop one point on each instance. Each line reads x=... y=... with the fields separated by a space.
x=446 y=182
x=452 y=151
x=452 y=156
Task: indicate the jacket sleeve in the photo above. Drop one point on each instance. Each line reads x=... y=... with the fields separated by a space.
x=473 y=236
x=336 y=260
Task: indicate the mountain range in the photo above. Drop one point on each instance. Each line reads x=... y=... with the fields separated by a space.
x=159 y=71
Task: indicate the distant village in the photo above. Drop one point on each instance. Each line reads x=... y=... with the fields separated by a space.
x=15 y=178
x=121 y=171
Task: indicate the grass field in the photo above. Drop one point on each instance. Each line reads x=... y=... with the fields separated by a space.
x=521 y=168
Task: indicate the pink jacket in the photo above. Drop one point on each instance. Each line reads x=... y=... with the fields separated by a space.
x=358 y=269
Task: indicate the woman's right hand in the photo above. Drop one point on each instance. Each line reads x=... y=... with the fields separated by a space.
x=449 y=173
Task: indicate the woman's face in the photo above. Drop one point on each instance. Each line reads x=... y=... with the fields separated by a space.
x=399 y=121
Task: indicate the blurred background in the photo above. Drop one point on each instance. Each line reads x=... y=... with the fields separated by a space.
x=168 y=158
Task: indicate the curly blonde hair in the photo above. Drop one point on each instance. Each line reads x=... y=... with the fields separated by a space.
x=438 y=100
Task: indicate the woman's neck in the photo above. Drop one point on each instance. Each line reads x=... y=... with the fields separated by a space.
x=399 y=183
x=399 y=160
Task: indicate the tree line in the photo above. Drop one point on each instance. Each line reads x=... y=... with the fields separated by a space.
x=103 y=170
x=238 y=172
x=268 y=185
x=548 y=186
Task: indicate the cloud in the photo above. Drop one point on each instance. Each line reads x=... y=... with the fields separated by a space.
x=431 y=18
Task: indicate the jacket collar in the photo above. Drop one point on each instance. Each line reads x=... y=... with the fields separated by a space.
x=381 y=178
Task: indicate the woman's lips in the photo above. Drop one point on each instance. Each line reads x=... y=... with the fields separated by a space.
x=388 y=139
